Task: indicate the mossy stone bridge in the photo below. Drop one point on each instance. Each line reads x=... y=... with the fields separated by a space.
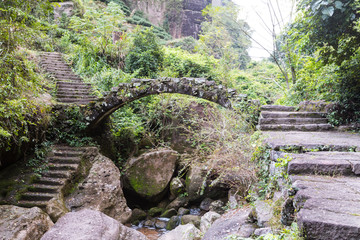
x=127 y=92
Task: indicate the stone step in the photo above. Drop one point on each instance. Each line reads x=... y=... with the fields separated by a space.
x=37 y=196
x=294 y=121
x=65 y=91
x=26 y=203
x=266 y=114
x=75 y=100
x=67 y=153
x=300 y=127
x=73 y=84
x=75 y=96
x=69 y=149
x=64 y=160
x=67 y=77
x=325 y=163
x=43 y=188
x=54 y=64
x=277 y=108
x=54 y=69
x=50 y=181
x=327 y=207
x=63 y=166
x=58 y=173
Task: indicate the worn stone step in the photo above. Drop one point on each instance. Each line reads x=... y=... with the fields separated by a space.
x=73 y=84
x=327 y=207
x=325 y=163
x=57 y=173
x=277 y=108
x=64 y=160
x=63 y=166
x=43 y=188
x=75 y=96
x=266 y=114
x=68 y=91
x=300 y=127
x=66 y=76
x=294 y=121
x=54 y=64
x=50 y=181
x=63 y=72
x=54 y=69
x=37 y=196
x=26 y=203
x=66 y=154
x=74 y=100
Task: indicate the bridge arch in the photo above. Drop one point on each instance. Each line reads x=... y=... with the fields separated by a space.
x=138 y=88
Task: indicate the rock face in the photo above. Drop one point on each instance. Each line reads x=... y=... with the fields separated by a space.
x=183 y=18
x=23 y=223
x=66 y=8
x=207 y=220
x=101 y=191
x=89 y=224
x=149 y=175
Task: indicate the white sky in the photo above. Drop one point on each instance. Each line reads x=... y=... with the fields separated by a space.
x=251 y=12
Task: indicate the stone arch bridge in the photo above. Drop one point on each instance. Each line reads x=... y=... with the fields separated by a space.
x=127 y=92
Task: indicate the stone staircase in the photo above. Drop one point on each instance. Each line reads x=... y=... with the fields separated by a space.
x=70 y=88
x=62 y=163
x=285 y=118
x=325 y=185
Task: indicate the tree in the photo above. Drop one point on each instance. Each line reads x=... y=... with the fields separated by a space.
x=224 y=36
x=145 y=54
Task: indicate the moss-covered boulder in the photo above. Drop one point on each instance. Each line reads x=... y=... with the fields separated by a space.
x=149 y=175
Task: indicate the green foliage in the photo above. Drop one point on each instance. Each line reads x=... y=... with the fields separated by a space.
x=38 y=162
x=224 y=35
x=180 y=63
x=68 y=126
x=288 y=233
x=186 y=43
x=145 y=55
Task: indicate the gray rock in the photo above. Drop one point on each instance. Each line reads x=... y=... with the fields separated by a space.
x=173 y=222
x=193 y=219
x=176 y=187
x=148 y=175
x=169 y=213
x=155 y=211
x=207 y=220
x=178 y=202
x=183 y=232
x=263 y=213
x=66 y=8
x=246 y=230
x=23 y=223
x=183 y=211
x=217 y=206
x=56 y=208
x=150 y=223
x=89 y=224
x=137 y=215
x=205 y=204
x=228 y=224
x=262 y=231
x=160 y=224
x=101 y=191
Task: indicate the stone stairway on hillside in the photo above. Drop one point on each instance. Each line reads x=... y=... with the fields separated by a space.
x=285 y=118
x=325 y=185
x=62 y=163
x=69 y=87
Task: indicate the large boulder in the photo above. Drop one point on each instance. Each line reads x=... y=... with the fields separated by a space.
x=148 y=176
x=183 y=232
x=207 y=220
x=234 y=222
x=23 y=223
x=63 y=8
x=101 y=191
x=88 y=224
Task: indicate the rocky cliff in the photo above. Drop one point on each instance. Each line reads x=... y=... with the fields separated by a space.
x=181 y=17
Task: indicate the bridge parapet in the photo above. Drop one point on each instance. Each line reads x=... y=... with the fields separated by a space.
x=138 y=88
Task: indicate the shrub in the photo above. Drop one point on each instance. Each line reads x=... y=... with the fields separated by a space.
x=145 y=55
